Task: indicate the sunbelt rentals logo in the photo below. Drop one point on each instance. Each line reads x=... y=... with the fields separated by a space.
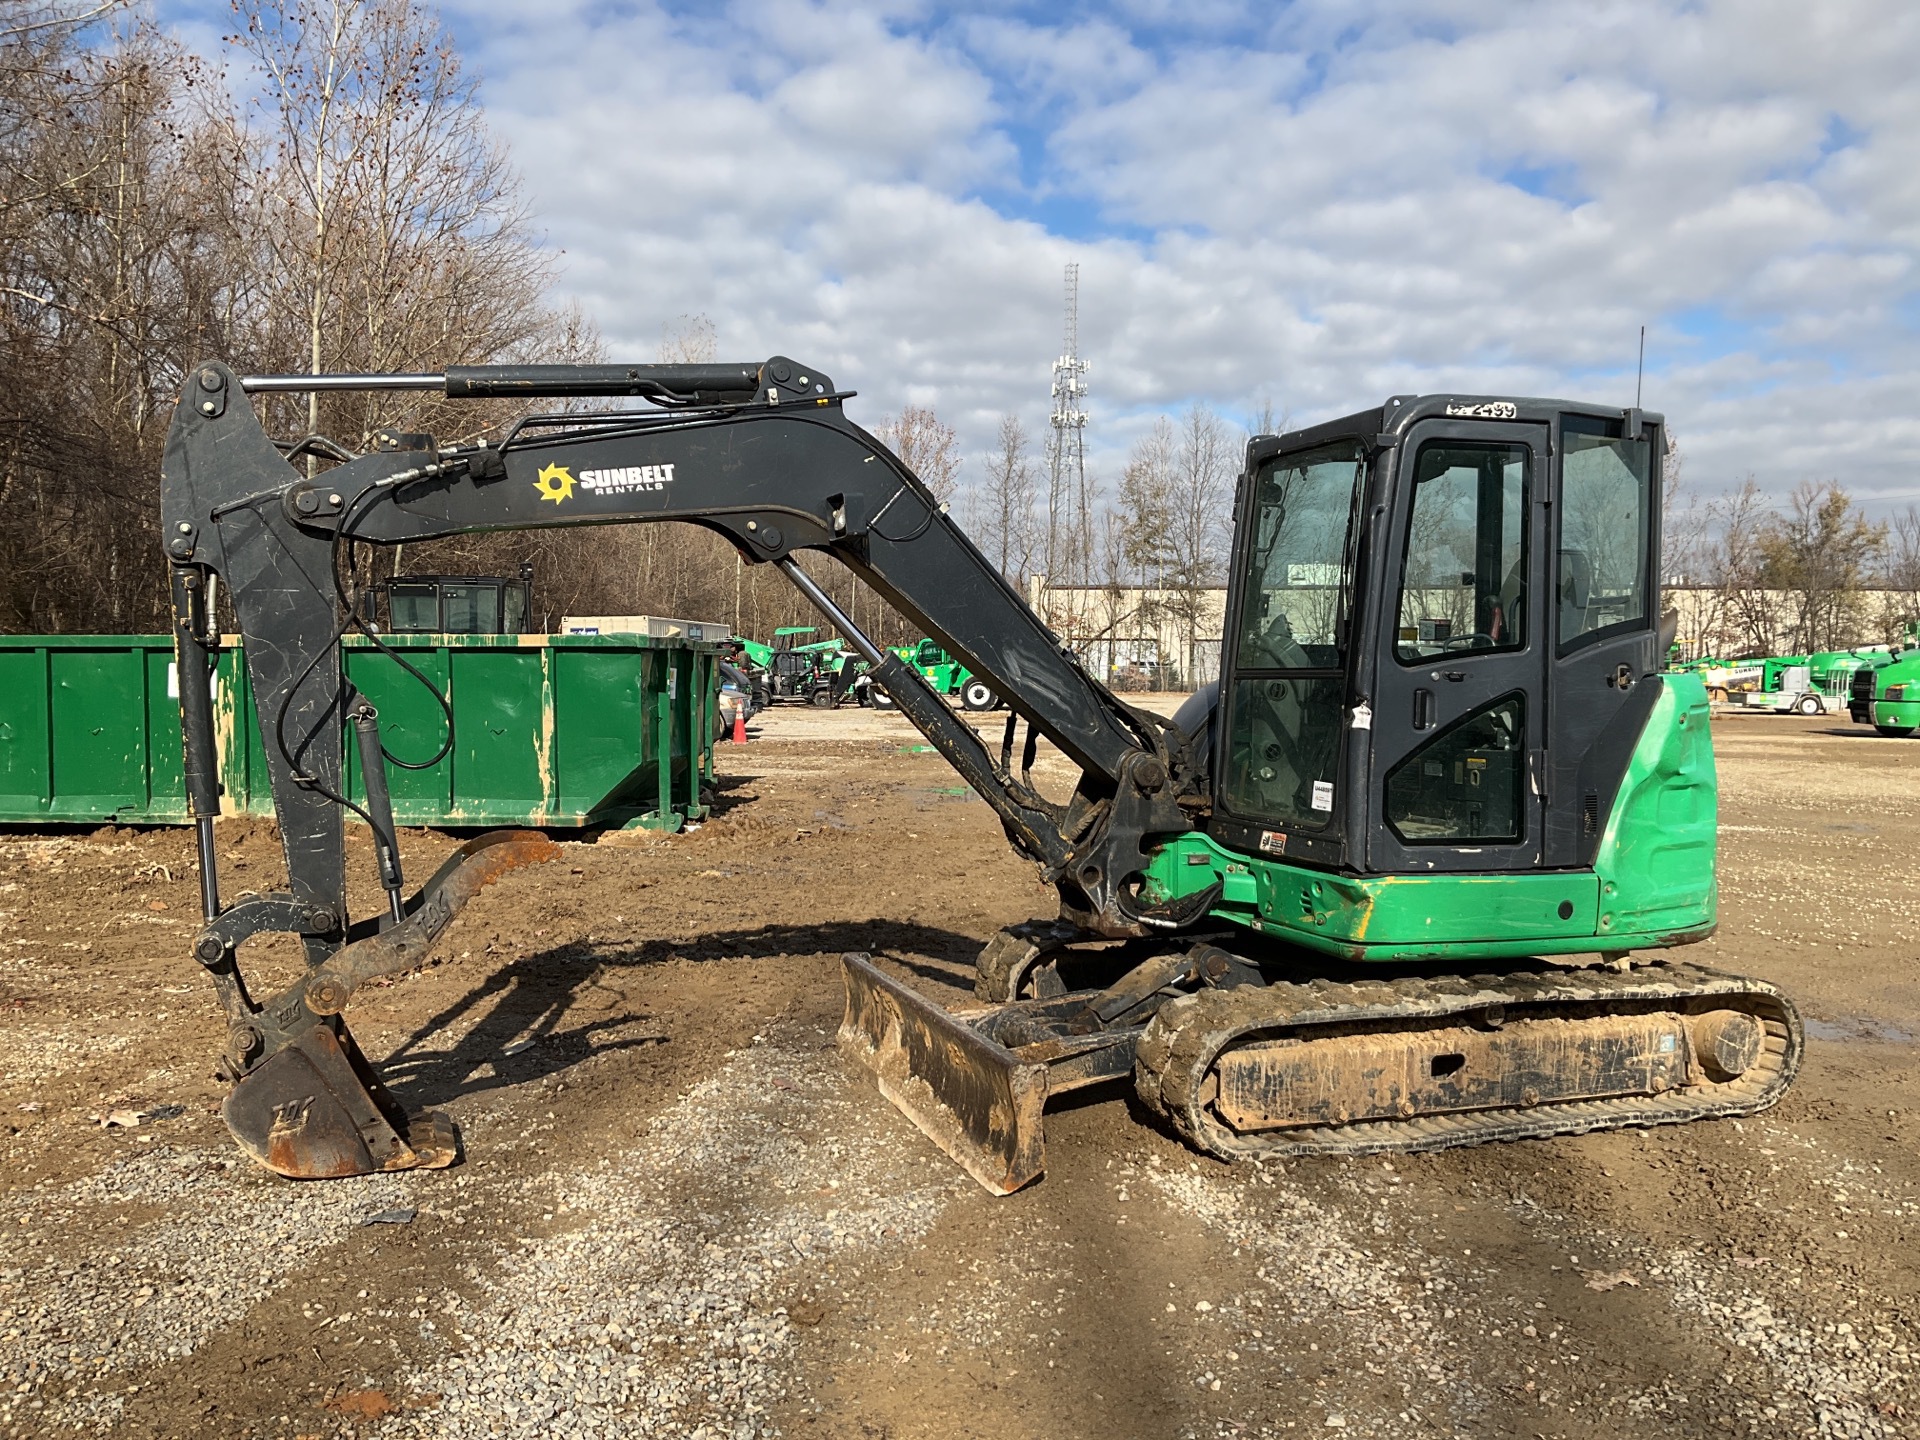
x=627 y=479
x=556 y=482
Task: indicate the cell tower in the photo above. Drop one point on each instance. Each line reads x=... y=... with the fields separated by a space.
x=1067 y=495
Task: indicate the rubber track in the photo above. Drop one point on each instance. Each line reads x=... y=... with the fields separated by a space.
x=1178 y=1050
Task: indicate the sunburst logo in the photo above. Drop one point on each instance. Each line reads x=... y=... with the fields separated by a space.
x=555 y=483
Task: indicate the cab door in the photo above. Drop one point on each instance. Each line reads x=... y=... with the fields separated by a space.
x=1605 y=618
x=1458 y=715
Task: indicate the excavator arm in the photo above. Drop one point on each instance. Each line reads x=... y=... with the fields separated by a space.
x=762 y=454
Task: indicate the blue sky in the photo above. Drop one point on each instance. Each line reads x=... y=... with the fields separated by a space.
x=1318 y=204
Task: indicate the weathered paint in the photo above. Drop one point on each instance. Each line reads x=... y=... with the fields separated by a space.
x=551 y=731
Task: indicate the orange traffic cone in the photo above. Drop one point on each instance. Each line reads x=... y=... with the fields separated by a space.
x=740 y=725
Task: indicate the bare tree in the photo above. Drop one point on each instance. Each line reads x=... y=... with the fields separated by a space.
x=1684 y=521
x=112 y=243
x=689 y=340
x=1819 y=551
x=925 y=446
x=392 y=223
x=1900 y=576
x=1749 y=618
x=1146 y=502
x=1001 y=507
x=1199 y=521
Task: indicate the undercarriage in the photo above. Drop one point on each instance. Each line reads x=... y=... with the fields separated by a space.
x=1245 y=1059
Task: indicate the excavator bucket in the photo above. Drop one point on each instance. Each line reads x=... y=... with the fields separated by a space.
x=306 y=1103
x=972 y=1096
x=315 y=1111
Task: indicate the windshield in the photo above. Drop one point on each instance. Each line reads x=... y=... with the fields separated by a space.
x=1300 y=566
x=1283 y=733
x=415 y=609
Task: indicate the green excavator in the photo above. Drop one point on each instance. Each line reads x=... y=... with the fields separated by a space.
x=1411 y=875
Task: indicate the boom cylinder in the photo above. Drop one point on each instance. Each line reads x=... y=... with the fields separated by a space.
x=526 y=382
x=193 y=671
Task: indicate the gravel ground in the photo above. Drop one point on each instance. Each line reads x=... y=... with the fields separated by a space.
x=680 y=1214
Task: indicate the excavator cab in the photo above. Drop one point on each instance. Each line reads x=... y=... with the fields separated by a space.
x=1440 y=623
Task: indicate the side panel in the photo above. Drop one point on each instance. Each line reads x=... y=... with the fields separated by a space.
x=1653 y=885
x=26 y=739
x=502 y=745
x=412 y=727
x=98 y=703
x=1656 y=854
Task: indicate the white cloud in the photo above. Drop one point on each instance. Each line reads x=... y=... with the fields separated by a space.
x=1324 y=205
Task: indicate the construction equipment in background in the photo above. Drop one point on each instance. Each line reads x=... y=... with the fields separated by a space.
x=1819 y=684
x=1887 y=696
x=944 y=676
x=1824 y=684
x=1727 y=678
x=456 y=604
x=1392 y=885
x=794 y=668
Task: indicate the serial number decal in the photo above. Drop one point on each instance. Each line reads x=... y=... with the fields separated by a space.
x=1484 y=410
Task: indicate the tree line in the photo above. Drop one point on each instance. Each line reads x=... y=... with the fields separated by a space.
x=1805 y=574
x=328 y=198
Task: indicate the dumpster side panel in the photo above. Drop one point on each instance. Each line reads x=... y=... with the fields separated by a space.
x=99 y=722
x=499 y=695
x=599 y=736
x=412 y=727
x=563 y=732
x=163 y=771
x=26 y=737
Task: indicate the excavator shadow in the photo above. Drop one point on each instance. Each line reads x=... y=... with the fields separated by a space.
x=546 y=1012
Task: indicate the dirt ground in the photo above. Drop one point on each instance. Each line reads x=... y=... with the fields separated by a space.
x=679 y=1212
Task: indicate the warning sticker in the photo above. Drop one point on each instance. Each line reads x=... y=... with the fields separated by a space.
x=1322 y=795
x=1274 y=842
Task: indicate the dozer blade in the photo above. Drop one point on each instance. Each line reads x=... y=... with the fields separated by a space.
x=969 y=1094
x=306 y=1103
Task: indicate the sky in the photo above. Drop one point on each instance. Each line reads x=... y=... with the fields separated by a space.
x=1309 y=206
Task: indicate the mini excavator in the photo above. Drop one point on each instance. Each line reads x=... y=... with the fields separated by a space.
x=1405 y=878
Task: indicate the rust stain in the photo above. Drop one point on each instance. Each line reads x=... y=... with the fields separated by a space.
x=543 y=739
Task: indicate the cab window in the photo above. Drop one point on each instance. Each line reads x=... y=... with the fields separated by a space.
x=1463 y=588
x=1605 y=508
x=1285 y=706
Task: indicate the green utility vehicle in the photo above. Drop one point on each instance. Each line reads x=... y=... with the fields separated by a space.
x=945 y=675
x=821 y=672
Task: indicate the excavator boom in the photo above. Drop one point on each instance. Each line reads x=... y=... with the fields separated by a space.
x=763 y=454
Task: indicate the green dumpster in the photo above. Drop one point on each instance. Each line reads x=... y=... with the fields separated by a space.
x=549 y=731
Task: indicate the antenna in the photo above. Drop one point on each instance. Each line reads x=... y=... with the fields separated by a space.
x=1641 y=369
x=1067 y=451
